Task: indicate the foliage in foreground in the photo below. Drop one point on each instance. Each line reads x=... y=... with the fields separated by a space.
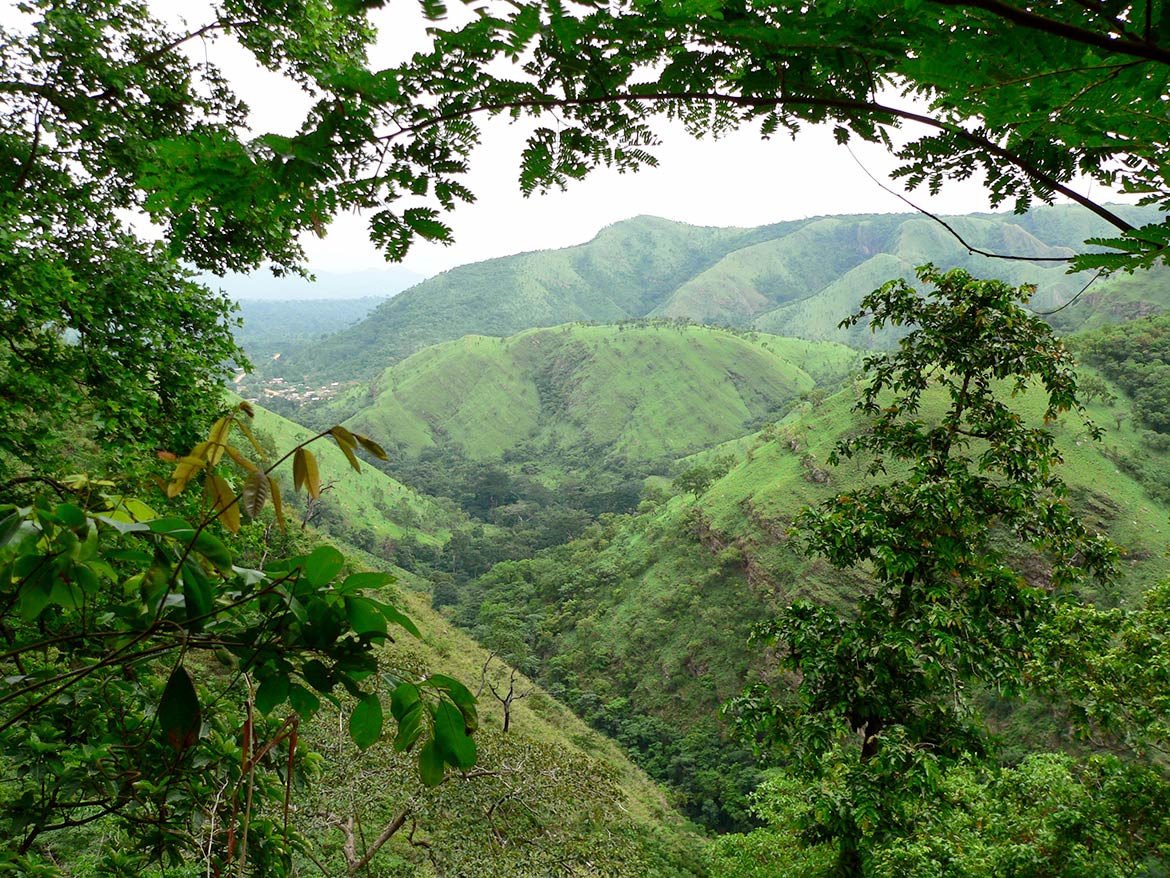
x=156 y=689
x=882 y=702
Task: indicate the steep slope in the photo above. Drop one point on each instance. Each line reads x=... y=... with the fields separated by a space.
x=913 y=242
x=363 y=507
x=547 y=795
x=624 y=272
x=642 y=625
x=642 y=391
x=789 y=278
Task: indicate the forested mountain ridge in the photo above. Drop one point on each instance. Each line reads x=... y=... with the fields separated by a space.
x=791 y=278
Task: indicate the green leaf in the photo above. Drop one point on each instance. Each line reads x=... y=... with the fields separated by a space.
x=273 y=691
x=403 y=698
x=461 y=695
x=213 y=549
x=317 y=675
x=430 y=765
x=9 y=526
x=179 y=716
x=176 y=528
x=451 y=738
x=365 y=723
x=70 y=515
x=361 y=581
x=409 y=728
x=364 y=616
x=196 y=592
x=393 y=614
x=322 y=565
x=304 y=702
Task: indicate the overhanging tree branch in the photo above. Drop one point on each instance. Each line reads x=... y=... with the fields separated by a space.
x=1053 y=27
x=753 y=102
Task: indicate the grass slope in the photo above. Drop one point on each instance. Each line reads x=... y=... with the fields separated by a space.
x=656 y=608
x=654 y=267
x=642 y=391
x=547 y=796
x=353 y=502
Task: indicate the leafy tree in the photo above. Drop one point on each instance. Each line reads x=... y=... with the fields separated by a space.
x=151 y=681
x=881 y=701
x=694 y=481
x=1058 y=102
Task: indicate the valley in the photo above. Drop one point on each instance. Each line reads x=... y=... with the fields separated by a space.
x=765 y=541
x=608 y=508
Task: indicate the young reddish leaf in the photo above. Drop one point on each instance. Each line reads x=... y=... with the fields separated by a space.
x=277 y=503
x=305 y=472
x=298 y=469
x=222 y=500
x=178 y=711
x=234 y=454
x=312 y=475
x=217 y=439
x=370 y=446
x=246 y=408
x=347 y=444
x=251 y=438
x=255 y=495
x=185 y=470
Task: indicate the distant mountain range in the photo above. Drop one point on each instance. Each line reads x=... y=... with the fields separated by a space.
x=796 y=278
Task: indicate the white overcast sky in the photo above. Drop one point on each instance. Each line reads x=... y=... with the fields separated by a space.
x=740 y=180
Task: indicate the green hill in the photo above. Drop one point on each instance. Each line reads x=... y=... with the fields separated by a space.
x=367 y=507
x=640 y=391
x=793 y=278
x=642 y=624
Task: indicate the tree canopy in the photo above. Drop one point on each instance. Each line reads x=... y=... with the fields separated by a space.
x=107 y=118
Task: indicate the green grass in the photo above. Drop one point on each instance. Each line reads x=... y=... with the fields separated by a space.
x=663 y=602
x=795 y=278
x=642 y=391
x=369 y=500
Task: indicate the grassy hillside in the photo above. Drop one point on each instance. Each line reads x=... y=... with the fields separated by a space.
x=640 y=391
x=650 y=614
x=794 y=278
x=368 y=507
x=548 y=795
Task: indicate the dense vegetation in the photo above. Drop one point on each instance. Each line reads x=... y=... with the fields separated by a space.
x=792 y=279
x=175 y=661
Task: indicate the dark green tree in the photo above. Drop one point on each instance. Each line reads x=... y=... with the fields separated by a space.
x=882 y=696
